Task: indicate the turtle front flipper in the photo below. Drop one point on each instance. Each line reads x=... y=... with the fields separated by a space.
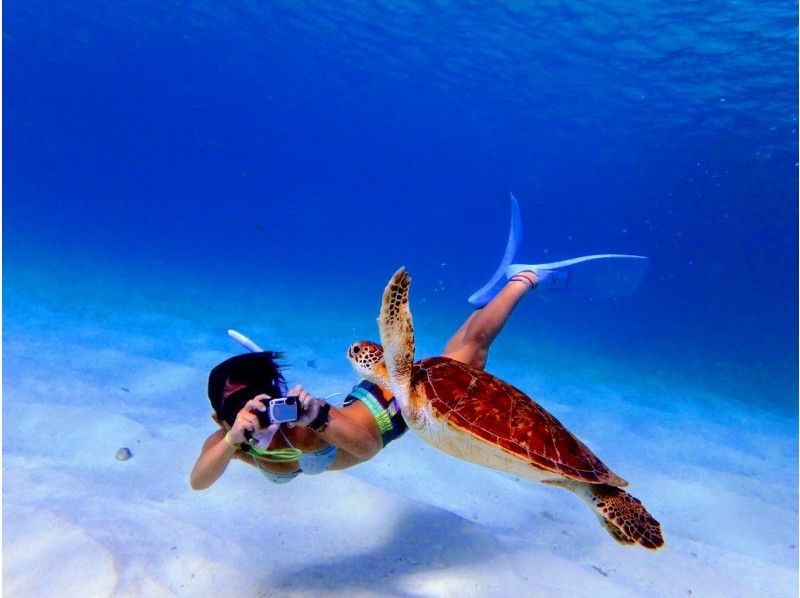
x=397 y=333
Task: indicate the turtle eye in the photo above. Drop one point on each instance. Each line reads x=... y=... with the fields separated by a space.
x=356 y=350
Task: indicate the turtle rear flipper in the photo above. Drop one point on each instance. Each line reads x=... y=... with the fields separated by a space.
x=623 y=515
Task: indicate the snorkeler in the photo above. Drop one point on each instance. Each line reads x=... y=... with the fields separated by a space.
x=324 y=437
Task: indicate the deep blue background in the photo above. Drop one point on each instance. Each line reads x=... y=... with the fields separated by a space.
x=311 y=147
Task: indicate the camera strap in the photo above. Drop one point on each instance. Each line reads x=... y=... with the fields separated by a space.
x=281 y=455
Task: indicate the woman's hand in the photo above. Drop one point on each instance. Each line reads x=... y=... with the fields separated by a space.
x=308 y=409
x=247 y=420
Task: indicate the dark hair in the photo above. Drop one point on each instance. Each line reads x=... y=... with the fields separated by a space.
x=258 y=371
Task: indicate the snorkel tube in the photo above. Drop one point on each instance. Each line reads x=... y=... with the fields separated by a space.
x=244 y=341
x=251 y=346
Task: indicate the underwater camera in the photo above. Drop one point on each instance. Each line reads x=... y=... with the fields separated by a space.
x=279 y=411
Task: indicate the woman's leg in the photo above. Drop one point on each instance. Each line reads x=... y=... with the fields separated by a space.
x=470 y=344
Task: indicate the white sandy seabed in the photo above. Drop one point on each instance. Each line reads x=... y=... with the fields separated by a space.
x=84 y=377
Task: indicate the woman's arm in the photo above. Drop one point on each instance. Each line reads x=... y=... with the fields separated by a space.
x=212 y=462
x=350 y=434
x=217 y=452
x=353 y=432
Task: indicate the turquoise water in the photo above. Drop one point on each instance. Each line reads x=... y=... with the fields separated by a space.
x=173 y=170
x=312 y=148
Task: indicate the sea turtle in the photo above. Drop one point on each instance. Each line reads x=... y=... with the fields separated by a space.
x=477 y=417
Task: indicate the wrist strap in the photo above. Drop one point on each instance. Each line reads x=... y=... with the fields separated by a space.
x=319 y=423
x=230 y=442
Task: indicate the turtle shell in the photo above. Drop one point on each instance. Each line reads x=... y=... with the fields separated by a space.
x=497 y=413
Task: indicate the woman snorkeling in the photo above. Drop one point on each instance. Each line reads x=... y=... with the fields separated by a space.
x=323 y=437
x=330 y=438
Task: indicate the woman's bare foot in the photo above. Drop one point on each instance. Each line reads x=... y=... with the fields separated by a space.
x=527 y=278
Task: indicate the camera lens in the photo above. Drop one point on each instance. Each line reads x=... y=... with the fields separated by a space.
x=291 y=400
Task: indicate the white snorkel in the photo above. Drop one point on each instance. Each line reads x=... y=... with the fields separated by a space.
x=244 y=341
x=254 y=348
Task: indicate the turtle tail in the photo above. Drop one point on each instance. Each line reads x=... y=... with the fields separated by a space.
x=623 y=515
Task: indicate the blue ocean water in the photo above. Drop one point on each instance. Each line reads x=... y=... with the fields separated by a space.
x=306 y=150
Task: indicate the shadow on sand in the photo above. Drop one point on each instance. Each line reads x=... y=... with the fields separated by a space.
x=426 y=540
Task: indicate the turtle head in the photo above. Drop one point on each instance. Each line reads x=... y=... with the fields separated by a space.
x=367 y=359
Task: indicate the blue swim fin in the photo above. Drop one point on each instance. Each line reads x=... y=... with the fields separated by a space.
x=605 y=275
x=498 y=280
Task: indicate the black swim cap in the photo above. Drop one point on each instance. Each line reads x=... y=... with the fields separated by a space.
x=258 y=371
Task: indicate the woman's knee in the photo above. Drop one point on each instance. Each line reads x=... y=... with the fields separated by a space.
x=479 y=341
x=479 y=359
x=472 y=355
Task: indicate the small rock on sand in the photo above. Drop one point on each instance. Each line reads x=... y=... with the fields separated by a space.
x=124 y=454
